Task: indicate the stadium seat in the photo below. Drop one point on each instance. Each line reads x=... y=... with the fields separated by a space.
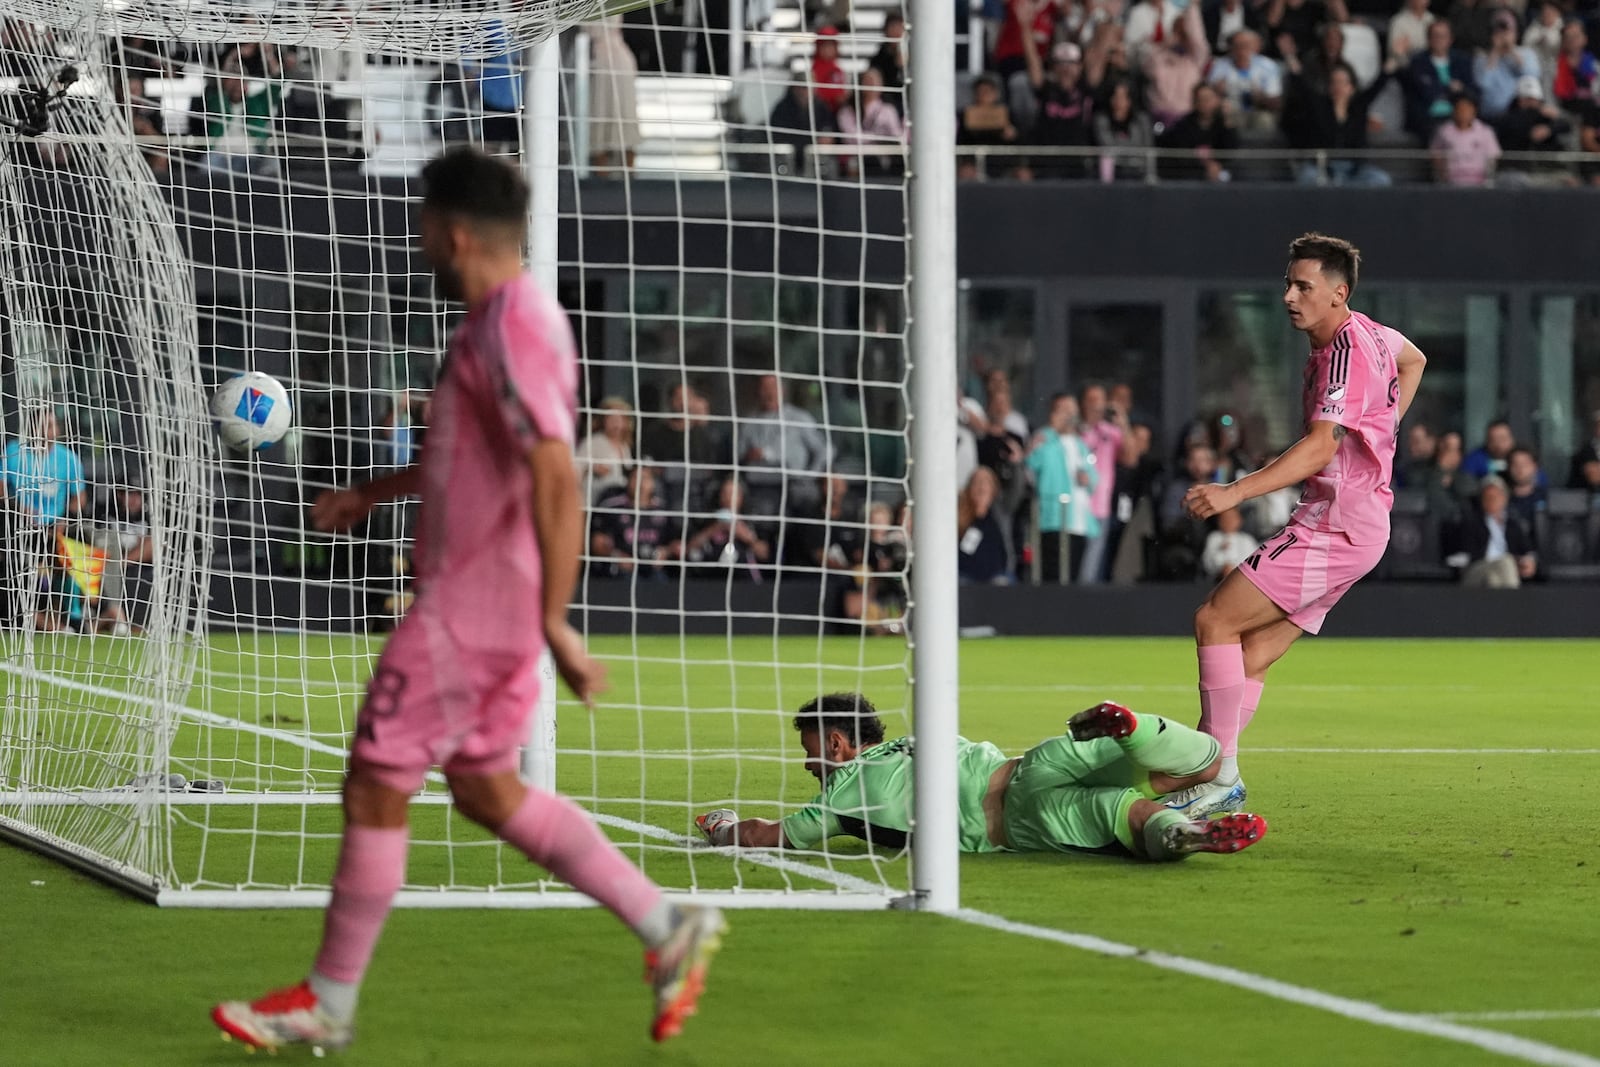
x=1414 y=552
x=1567 y=533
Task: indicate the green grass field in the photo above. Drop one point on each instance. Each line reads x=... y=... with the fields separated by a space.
x=1435 y=851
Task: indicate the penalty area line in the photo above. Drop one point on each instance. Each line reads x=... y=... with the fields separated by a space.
x=1446 y=1028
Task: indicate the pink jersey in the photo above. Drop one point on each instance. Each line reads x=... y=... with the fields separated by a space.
x=509 y=381
x=1355 y=383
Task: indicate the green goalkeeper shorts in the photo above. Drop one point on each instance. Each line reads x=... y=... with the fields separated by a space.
x=1072 y=796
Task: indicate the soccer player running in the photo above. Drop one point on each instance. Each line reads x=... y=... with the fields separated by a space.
x=500 y=533
x=1089 y=791
x=1359 y=380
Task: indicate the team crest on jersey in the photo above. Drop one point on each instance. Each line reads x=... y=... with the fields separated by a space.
x=1335 y=393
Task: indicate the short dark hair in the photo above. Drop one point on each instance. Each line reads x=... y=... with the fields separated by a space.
x=852 y=714
x=469 y=182
x=1333 y=254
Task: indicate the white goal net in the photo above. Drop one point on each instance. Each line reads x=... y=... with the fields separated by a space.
x=194 y=189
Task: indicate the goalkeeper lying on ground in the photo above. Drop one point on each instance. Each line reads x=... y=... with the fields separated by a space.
x=1089 y=791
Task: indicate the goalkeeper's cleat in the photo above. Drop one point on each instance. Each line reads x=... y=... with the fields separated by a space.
x=290 y=1016
x=1208 y=799
x=1105 y=719
x=1228 y=833
x=677 y=967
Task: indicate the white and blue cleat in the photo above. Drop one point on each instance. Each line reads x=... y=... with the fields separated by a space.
x=1208 y=800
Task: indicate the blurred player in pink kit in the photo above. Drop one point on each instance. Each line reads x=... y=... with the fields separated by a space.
x=1359 y=380
x=500 y=533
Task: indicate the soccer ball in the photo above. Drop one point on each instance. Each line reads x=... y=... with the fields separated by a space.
x=251 y=411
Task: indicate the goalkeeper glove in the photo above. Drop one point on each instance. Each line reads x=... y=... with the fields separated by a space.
x=719 y=826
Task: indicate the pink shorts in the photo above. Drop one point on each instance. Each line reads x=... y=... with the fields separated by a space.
x=1305 y=571
x=432 y=702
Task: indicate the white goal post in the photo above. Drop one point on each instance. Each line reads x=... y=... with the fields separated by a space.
x=194 y=188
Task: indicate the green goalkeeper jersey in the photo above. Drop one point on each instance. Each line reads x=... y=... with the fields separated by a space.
x=870 y=798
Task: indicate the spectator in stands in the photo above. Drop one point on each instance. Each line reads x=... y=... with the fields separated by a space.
x=1465 y=148
x=1531 y=125
x=1133 y=520
x=885 y=599
x=44 y=488
x=1316 y=66
x=604 y=456
x=1422 y=448
x=629 y=532
x=1064 y=479
x=1064 y=109
x=1173 y=67
x=1432 y=79
x=1226 y=436
x=1500 y=68
x=1577 y=74
x=1182 y=538
x=890 y=61
x=236 y=123
x=1337 y=121
x=1227 y=546
x=1203 y=132
x=1543 y=35
x=1584 y=471
x=985 y=553
x=728 y=544
x=689 y=451
x=1471 y=23
x=1250 y=83
x=1026 y=21
x=1527 y=485
x=800 y=120
x=1493 y=456
x=1106 y=432
x=985 y=121
x=1225 y=19
x=782 y=450
x=831 y=549
x=1450 y=488
x=613 y=97
x=1106 y=64
x=1123 y=127
x=121 y=532
x=1120 y=399
x=1408 y=30
x=829 y=82
x=998 y=408
x=868 y=120
x=1299 y=20
x=1494 y=543
x=1003 y=443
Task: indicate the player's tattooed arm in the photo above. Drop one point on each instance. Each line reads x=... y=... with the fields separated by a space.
x=1339 y=432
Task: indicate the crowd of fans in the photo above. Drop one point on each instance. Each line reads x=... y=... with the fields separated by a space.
x=1321 y=81
x=1317 y=81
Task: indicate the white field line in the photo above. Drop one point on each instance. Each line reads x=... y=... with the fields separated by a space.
x=1516 y=1016
x=1518 y=1048
x=1509 y=1045
x=1110 y=689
